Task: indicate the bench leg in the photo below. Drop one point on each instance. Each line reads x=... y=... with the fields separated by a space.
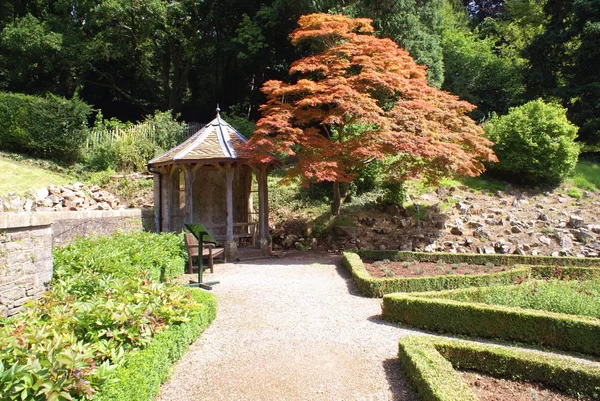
x=190 y=267
x=210 y=261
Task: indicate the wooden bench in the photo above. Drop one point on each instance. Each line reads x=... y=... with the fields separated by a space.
x=241 y=231
x=209 y=250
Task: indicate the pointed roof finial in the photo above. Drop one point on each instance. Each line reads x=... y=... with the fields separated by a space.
x=218 y=109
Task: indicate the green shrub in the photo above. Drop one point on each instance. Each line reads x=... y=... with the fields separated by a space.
x=51 y=127
x=102 y=312
x=426 y=360
x=140 y=377
x=431 y=312
x=535 y=143
x=377 y=287
x=128 y=147
x=161 y=255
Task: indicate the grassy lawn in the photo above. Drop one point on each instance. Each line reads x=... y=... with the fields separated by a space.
x=561 y=296
x=22 y=177
x=586 y=176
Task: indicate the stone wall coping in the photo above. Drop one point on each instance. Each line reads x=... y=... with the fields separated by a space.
x=32 y=219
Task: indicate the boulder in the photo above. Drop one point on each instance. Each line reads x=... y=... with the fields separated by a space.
x=456 y=231
x=564 y=241
x=544 y=240
x=41 y=194
x=481 y=233
x=583 y=235
x=575 y=222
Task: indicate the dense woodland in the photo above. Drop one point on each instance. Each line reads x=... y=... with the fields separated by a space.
x=131 y=58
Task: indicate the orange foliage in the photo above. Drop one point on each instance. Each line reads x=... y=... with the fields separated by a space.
x=358 y=80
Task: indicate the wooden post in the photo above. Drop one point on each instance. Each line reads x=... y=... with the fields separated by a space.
x=168 y=188
x=263 y=210
x=157 y=201
x=189 y=195
x=230 y=244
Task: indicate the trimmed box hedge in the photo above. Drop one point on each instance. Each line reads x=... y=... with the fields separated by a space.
x=378 y=287
x=429 y=363
x=561 y=331
x=477 y=259
x=140 y=377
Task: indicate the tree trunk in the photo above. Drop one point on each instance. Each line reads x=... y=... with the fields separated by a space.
x=338 y=198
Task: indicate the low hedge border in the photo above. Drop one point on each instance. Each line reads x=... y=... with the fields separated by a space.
x=378 y=287
x=561 y=331
x=477 y=259
x=140 y=377
x=429 y=363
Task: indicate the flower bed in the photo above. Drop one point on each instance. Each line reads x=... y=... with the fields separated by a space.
x=378 y=287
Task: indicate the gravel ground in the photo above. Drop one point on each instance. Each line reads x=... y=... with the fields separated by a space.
x=291 y=328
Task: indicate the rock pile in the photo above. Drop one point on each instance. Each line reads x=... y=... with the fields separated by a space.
x=74 y=197
x=461 y=220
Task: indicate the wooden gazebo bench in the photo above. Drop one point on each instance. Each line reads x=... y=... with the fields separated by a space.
x=241 y=231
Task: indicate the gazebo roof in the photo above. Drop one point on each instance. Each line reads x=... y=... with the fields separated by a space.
x=217 y=140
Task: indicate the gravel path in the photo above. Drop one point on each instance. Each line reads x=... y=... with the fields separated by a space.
x=291 y=329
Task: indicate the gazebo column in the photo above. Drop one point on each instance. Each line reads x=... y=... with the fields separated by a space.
x=230 y=244
x=263 y=210
x=168 y=190
x=189 y=193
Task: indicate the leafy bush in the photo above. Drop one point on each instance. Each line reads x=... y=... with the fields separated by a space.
x=140 y=377
x=535 y=143
x=50 y=127
x=102 y=306
x=128 y=147
x=122 y=255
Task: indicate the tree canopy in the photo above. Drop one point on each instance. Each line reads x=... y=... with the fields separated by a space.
x=130 y=58
x=358 y=98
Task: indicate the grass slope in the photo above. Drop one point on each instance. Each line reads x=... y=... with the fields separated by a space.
x=22 y=177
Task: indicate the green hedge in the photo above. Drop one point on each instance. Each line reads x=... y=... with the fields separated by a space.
x=426 y=361
x=378 y=287
x=477 y=259
x=570 y=273
x=431 y=373
x=50 y=127
x=566 y=332
x=140 y=377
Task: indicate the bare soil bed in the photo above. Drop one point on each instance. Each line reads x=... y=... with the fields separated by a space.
x=488 y=388
x=381 y=269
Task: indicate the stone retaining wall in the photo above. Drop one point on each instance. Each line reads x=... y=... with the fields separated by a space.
x=26 y=241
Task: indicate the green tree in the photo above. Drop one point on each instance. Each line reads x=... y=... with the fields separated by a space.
x=535 y=143
x=475 y=71
x=415 y=25
x=356 y=99
x=563 y=60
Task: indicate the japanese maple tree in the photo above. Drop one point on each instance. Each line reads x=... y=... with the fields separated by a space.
x=360 y=98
